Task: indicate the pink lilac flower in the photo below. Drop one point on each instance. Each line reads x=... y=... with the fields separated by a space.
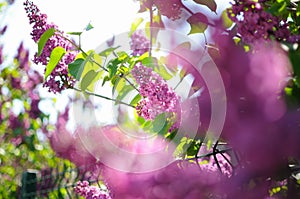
x=59 y=79
x=171 y=8
x=157 y=96
x=254 y=23
x=34 y=111
x=139 y=44
x=90 y=192
x=23 y=57
x=1 y=54
x=15 y=82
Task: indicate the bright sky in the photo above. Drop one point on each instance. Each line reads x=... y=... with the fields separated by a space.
x=74 y=15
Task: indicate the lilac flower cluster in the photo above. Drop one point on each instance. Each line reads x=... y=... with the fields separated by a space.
x=157 y=96
x=20 y=82
x=255 y=23
x=139 y=43
x=59 y=79
x=171 y=8
x=90 y=192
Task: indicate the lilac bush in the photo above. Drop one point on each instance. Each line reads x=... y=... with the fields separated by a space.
x=252 y=45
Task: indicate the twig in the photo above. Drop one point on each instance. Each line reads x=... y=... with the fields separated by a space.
x=104 y=97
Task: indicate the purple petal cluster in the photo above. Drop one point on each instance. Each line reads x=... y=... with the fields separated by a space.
x=255 y=23
x=90 y=192
x=139 y=44
x=171 y=8
x=157 y=96
x=59 y=79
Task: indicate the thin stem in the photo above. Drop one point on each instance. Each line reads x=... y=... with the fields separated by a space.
x=104 y=97
x=181 y=79
x=209 y=154
x=187 y=9
x=131 y=84
x=151 y=31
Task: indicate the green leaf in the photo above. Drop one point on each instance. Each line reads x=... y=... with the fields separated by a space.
x=108 y=51
x=75 y=33
x=135 y=25
x=181 y=147
x=193 y=149
x=88 y=79
x=162 y=71
x=135 y=100
x=113 y=67
x=89 y=27
x=56 y=55
x=124 y=91
x=198 y=23
x=211 y=4
x=89 y=63
x=118 y=84
x=278 y=8
x=44 y=38
x=105 y=79
x=122 y=56
x=227 y=23
x=159 y=122
x=150 y=61
x=74 y=68
x=91 y=87
x=82 y=65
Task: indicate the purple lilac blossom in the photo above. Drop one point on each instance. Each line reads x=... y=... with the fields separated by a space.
x=139 y=44
x=23 y=57
x=90 y=192
x=254 y=23
x=158 y=98
x=171 y=8
x=59 y=79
